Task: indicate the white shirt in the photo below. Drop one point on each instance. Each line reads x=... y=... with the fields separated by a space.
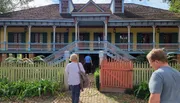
x=72 y=72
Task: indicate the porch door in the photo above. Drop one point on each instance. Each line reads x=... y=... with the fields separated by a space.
x=98 y=37
x=16 y=41
x=144 y=41
x=84 y=40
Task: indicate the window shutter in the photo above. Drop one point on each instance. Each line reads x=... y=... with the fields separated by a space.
x=151 y=37
x=23 y=37
x=44 y=37
x=109 y=37
x=66 y=37
x=33 y=38
x=95 y=36
x=117 y=37
x=86 y=38
x=73 y=37
x=174 y=38
x=139 y=38
x=161 y=37
x=131 y=38
x=10 y=37
x=51 y=37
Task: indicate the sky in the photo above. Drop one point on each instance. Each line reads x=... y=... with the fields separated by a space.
x=152 y=3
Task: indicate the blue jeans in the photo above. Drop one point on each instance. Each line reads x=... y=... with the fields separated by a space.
x=75 y=92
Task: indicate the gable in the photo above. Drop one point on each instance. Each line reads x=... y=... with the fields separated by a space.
x=91 y=7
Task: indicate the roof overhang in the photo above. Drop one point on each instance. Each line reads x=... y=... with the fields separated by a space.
x=69 y=22
x=144 y=22
x=92 y=14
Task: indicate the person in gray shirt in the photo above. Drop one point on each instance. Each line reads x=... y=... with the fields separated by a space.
x=164 y=84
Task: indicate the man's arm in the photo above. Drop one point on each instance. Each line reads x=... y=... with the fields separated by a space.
x=155 y=87
x=154 y=98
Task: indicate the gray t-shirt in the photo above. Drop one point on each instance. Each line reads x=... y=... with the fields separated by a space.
x=166 y=81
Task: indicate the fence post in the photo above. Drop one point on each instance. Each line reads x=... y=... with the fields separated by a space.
x=101 y=56
x=66 y=54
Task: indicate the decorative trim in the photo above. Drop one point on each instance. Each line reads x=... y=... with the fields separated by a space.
x=90 y=1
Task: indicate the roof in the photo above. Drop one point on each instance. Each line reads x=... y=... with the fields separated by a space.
x=131 y=12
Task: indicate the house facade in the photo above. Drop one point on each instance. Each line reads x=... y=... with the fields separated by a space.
x=89 y=28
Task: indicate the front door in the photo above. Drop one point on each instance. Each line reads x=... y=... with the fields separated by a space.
x=84 y=40
x=98 y=37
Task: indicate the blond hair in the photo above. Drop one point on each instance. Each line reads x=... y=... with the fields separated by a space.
x=157 y=54
x=74 y=57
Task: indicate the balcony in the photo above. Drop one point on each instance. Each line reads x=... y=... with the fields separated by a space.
x=84 y=45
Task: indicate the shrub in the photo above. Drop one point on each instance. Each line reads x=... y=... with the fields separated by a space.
x=97 y=76
x=142 y=91
x=22 y=89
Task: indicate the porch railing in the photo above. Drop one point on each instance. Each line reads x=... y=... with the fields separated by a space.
x=87 y=45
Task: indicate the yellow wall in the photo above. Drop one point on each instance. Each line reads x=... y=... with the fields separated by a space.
x=49 y=30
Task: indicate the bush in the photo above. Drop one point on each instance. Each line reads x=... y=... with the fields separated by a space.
x=97 y=77
x=142 y=91
x=21 y=89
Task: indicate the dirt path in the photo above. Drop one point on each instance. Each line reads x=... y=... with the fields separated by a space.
x=92 y=95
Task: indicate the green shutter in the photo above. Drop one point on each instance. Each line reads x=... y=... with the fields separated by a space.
x=174 y=38
x=86 y=36
x=131 y=38
x=33 y=38
x=10 y=37
x=51 y=37
x=161 y=37
x=95 y=36
x=139 y=38
x=109 y=37
x=66 y=37
x=73 y=37
x=44 y=37
x=23 y=37
x=117 y=39
x=151 y=37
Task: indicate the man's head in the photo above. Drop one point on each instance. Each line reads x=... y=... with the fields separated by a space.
x=157 y=58
x=74 y=58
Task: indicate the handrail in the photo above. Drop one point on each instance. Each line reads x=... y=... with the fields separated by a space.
x=117 y=50
x=59 y=53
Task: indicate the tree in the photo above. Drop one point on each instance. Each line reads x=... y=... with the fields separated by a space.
x=11 y=5
x=175 y=6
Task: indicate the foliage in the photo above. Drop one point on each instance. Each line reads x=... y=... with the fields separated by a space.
x=12 y=60
x=175 y=6
x=97 y=77
x=11 y=5
x=22 y=89
x=141 y=58
x=140 y=91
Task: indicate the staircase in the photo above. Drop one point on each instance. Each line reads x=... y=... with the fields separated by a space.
x=116 y=53
x=88 y=47
x=58 y=56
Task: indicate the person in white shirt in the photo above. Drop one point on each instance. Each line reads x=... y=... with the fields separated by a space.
x=72 y=71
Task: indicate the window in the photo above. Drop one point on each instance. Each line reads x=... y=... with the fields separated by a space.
x=16 y=37
x=39 y=37
x=61 y=37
